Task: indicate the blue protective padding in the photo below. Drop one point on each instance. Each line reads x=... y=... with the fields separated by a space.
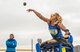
x=11 y=45
x=70 y=39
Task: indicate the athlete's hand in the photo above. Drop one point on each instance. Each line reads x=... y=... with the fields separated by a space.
x=29 y=10
x=67 y=32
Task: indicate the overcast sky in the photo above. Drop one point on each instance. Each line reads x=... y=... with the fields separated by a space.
x=26 y=26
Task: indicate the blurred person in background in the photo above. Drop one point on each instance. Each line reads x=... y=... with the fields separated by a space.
x=11 y=44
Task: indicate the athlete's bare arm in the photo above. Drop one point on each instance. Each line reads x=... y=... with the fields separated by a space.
x=39 y=15
x=61 y=26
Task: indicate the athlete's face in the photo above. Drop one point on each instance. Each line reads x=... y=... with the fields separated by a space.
x=53 y=17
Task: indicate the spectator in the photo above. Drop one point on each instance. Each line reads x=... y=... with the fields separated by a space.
x=11 y=44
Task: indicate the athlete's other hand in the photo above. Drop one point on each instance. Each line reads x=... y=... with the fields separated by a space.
x=29 y=10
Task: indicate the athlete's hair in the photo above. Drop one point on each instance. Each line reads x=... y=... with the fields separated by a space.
x=59 y=18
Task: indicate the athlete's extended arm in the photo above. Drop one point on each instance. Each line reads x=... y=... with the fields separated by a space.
x=39 y=15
